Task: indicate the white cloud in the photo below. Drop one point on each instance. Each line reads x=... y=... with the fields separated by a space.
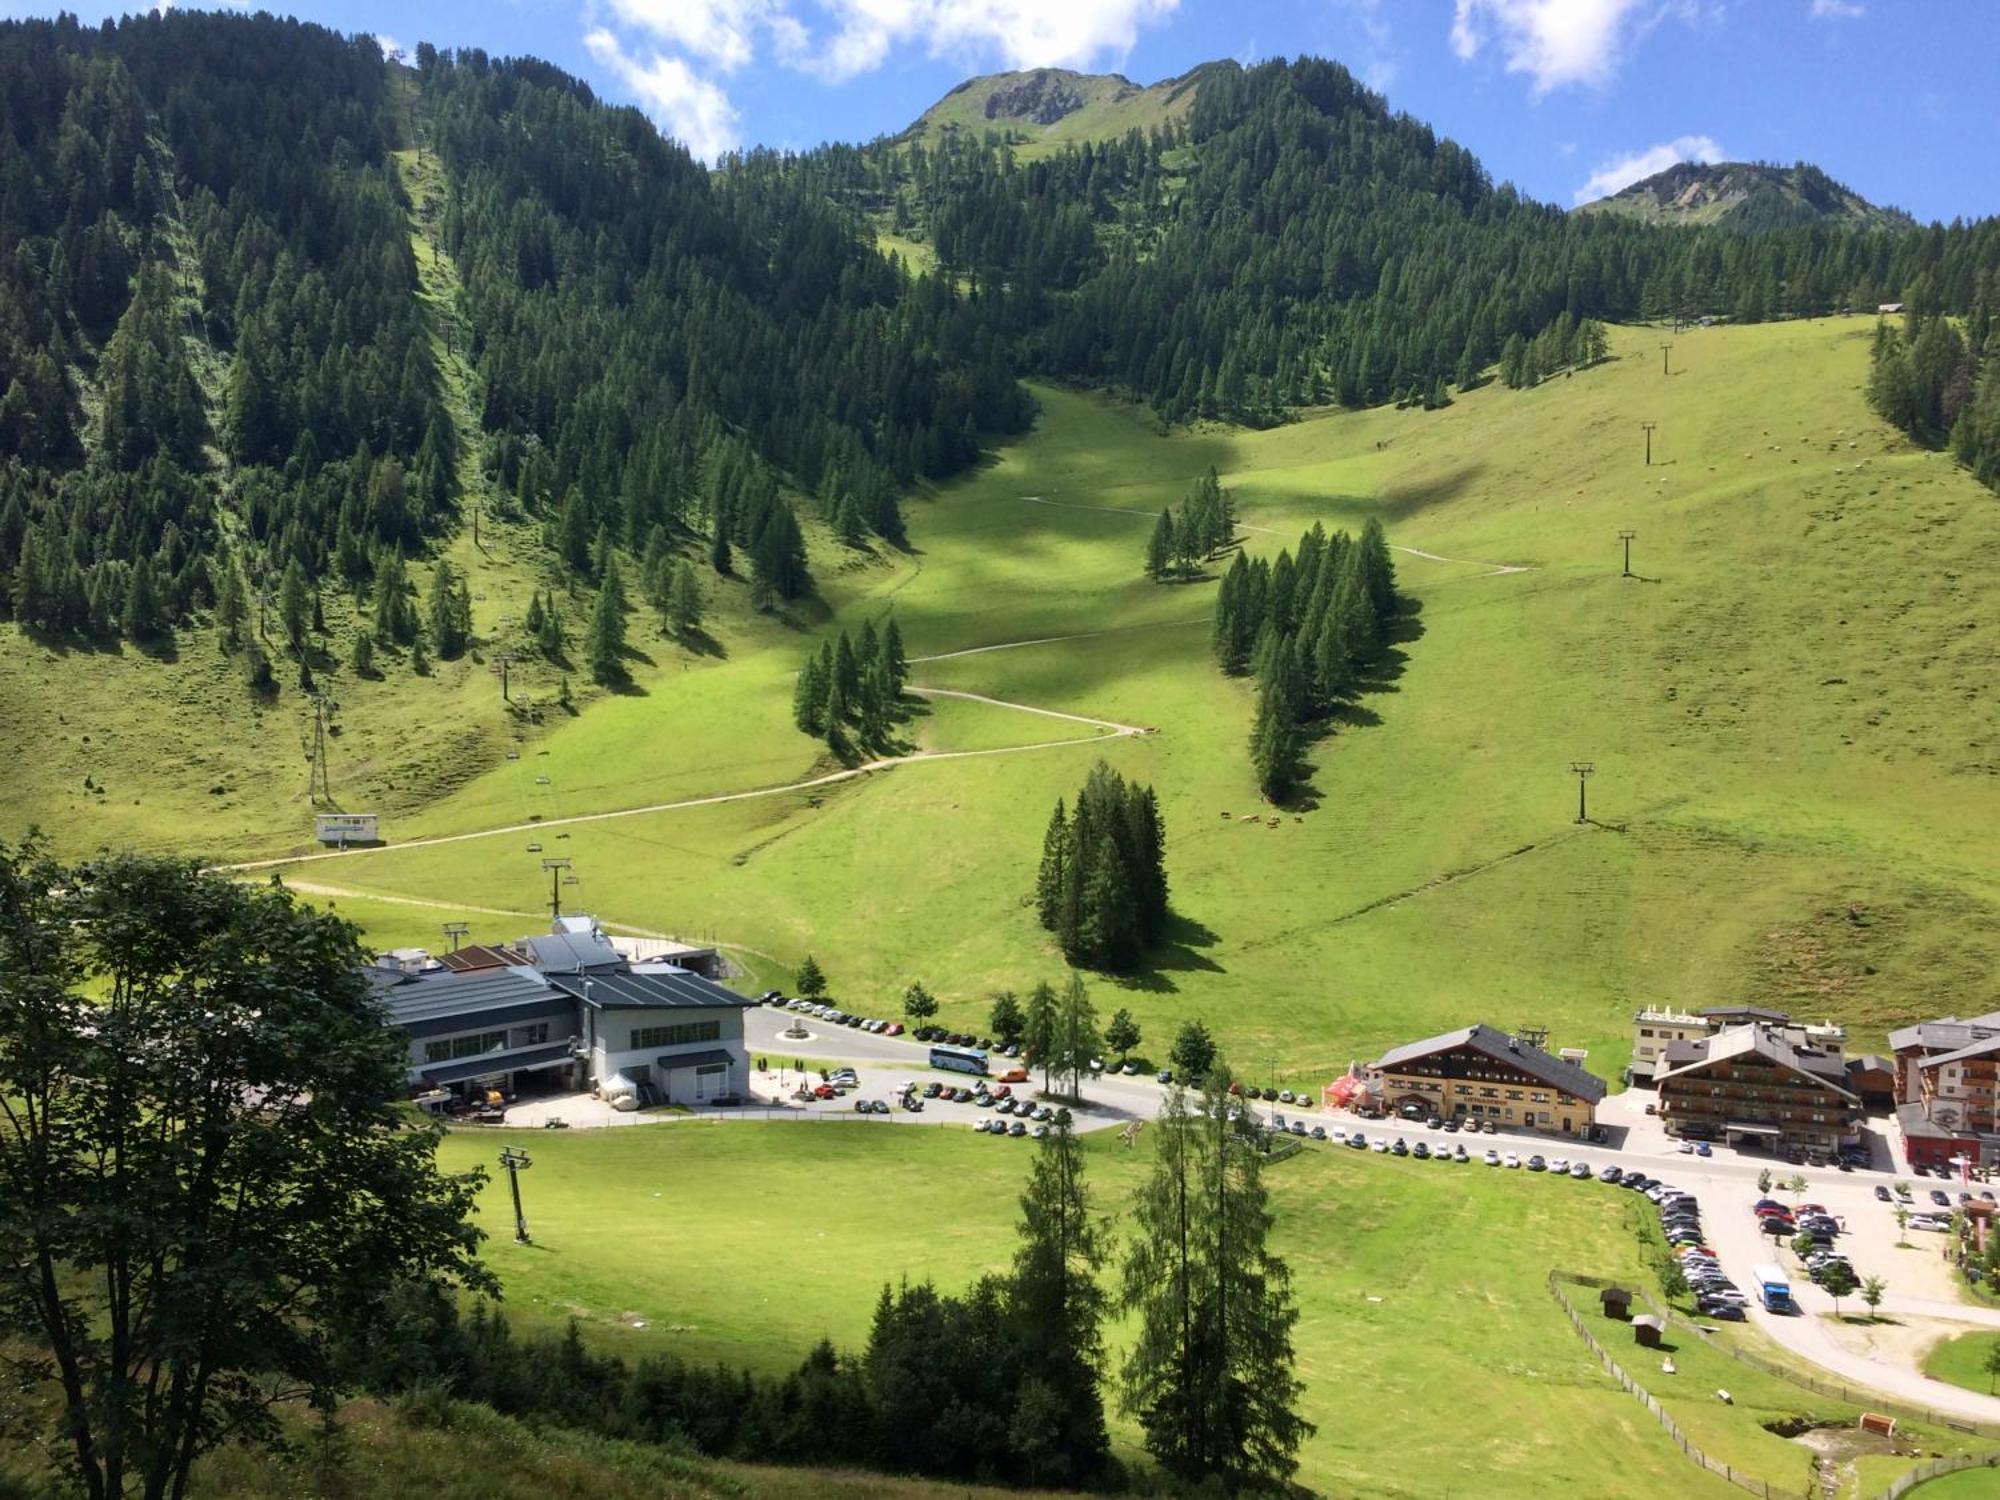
x=720 y=32
x=1019 y=33
x=1379 y=63
x=692 y=109
x=1837 y=10
x=391 y=48
x=1623 y=171
x=1557 y=42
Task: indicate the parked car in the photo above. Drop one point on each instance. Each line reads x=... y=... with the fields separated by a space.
x=1559 y=1164
x=825 y=1091
x=1420 y=1151
x=1284 y=1096
x=1358 y=1141
x=1536 y=1163
x=1017 y=1129
x=1579 y=1171
x=1609 y=1173
x=1929 y=1221
x=1491 y=1158
x=1397 y=1148
x=1459 y=1153
x=1882 y=1194
x=1128 y=1067
x=1940 y=1198
x=1165 y=1075
x=1380 y=1143
x=981 y=1125
x=1319 y=1132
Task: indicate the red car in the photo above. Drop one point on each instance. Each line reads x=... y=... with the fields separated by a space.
x=1001 y=1091
x=894 y=1028
x=826 y=1091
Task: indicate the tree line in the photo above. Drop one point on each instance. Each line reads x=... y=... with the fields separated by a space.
x=1307 y=629
x=1940 y=383
x=850 y=691
x=1102 y=885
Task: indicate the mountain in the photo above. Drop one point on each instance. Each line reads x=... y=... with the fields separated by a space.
x=1748 y=196
x=1054 y=106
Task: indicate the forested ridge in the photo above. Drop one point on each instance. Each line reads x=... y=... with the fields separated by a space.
x=219 y=380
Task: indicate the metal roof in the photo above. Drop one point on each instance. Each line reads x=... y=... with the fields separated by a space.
x=444 y=995
x=666 y=989
x=496 y=1062
x=570 y=951
x=1502 y=1048
x=480 y=956
x=1980 y=1048
x=669 y=1061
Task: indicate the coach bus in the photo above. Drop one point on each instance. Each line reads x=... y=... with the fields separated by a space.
x=959 y=1059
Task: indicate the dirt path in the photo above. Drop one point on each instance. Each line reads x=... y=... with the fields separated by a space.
x=1056 y=640
x=1141 y=515
x=1113 y=725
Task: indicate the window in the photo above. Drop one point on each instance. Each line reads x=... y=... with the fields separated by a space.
x=681 y=1034
x=1645 y=1031
x=529 y=1036
x=453 y=1047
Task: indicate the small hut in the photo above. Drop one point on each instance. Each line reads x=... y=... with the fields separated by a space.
x=1617 y=1302
x=1647 y=1329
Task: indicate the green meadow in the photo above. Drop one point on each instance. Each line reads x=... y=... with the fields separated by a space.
x=1789 y=710
x=747 y=1242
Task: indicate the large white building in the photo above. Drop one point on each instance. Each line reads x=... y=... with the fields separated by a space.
x=565 y=1011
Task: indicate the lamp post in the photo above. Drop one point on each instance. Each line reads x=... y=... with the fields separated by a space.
x=1582 y=770
x=516 y=1162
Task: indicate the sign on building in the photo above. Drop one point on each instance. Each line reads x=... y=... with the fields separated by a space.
x=343 y=829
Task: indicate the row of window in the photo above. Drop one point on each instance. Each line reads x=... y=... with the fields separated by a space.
x=680 y=1034
x=448 y=1049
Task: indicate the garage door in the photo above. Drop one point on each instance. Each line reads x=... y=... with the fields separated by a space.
x=711 y=1080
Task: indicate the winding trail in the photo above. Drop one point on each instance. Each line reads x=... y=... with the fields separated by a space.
x=1140 y=515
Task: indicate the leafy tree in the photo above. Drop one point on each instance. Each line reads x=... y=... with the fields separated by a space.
x=606 y=646
x=919 y=1004
x=1122 y=1035
x=209 y=1181
x=1193 y=1052
x=1902 y=1225
x=1837 y=1281
x=1209 y=1376
x=1764 y=1181
x=1007 y=1020
x=1992 y=1365
x=1873 y=1290
x=811 y=980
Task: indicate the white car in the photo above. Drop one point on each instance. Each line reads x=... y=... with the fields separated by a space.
x=1513 y=1159
x=1560 y=1164
x=1380 y=1143
x=1928 y=1221
x=1492 y=1158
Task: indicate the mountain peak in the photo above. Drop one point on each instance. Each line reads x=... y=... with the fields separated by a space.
x=1058 y=106
x=1747 y=196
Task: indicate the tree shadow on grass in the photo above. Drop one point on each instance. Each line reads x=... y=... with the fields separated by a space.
x=1177 y=952
x=698 y=642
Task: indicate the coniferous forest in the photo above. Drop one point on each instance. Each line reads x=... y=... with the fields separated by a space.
x=1102 y=886
x=217 y=372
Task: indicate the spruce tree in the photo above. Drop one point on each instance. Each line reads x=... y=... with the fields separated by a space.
x=142 y=618
x=362 y=657
x=605 y=648
x=684 y=601
x=231 y=609
x=811 y=980
x=1054 y=870
x=1274 y=739
x=294 y=605
x=449 y=613
x=893 y=658
x=1041 y=1032
x=1058 y=1307
x=1160 y=552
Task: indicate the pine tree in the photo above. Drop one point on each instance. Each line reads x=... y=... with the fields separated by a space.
x=684 y=602
x=809 y=692
x=811 y=980
x=893 y=659
x=1160 y=547
x=362 y=658
x=1049 y=881
x=549 y=639
x=1080 y=1043
x=605 y=648
x=1209 y=1376
x=656 y=570
x=1275 y=741
x=846 y=670
x=420 y=663
x=142 y=618
x=449 y=612
x=718 y=551
x=1059 y=1307
x=1041 y=1033
x=533 y=621
x=294 y=603
x=231 y=609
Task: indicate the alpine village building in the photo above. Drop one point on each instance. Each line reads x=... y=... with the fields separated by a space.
x=1948 y=1089
x=1758 y=1085
x=563 y=1012
x=1482 y=1073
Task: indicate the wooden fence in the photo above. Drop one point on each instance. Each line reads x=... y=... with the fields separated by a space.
x=1808 y=1489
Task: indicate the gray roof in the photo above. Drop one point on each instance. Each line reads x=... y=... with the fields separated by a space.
x=1868 y=1062
x=652 y=989
x=448 y=997
x=496 y=1062
x=1748 y=1012
x=1739 y=1041
x=570 y=951
x=1915 y=1122
x=1946 y=1034
x=669 y=1061
x=1502 y=1048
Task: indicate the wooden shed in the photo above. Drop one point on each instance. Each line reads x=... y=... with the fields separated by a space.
x=1646 y=1330
x=1617 y=1302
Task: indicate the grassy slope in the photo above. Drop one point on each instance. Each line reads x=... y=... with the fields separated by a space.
x=1792 y=727
x=1112 y=106
x=754 y=1241
x=1962 y=1361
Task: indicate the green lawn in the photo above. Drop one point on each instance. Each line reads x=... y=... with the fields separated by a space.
x=1791 y=727
x=1962 y=1361
x=1419 y=1312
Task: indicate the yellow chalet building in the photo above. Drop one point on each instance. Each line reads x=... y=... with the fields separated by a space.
x=1482 y=1073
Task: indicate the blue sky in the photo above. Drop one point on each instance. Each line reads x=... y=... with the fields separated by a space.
x=1566 y=98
